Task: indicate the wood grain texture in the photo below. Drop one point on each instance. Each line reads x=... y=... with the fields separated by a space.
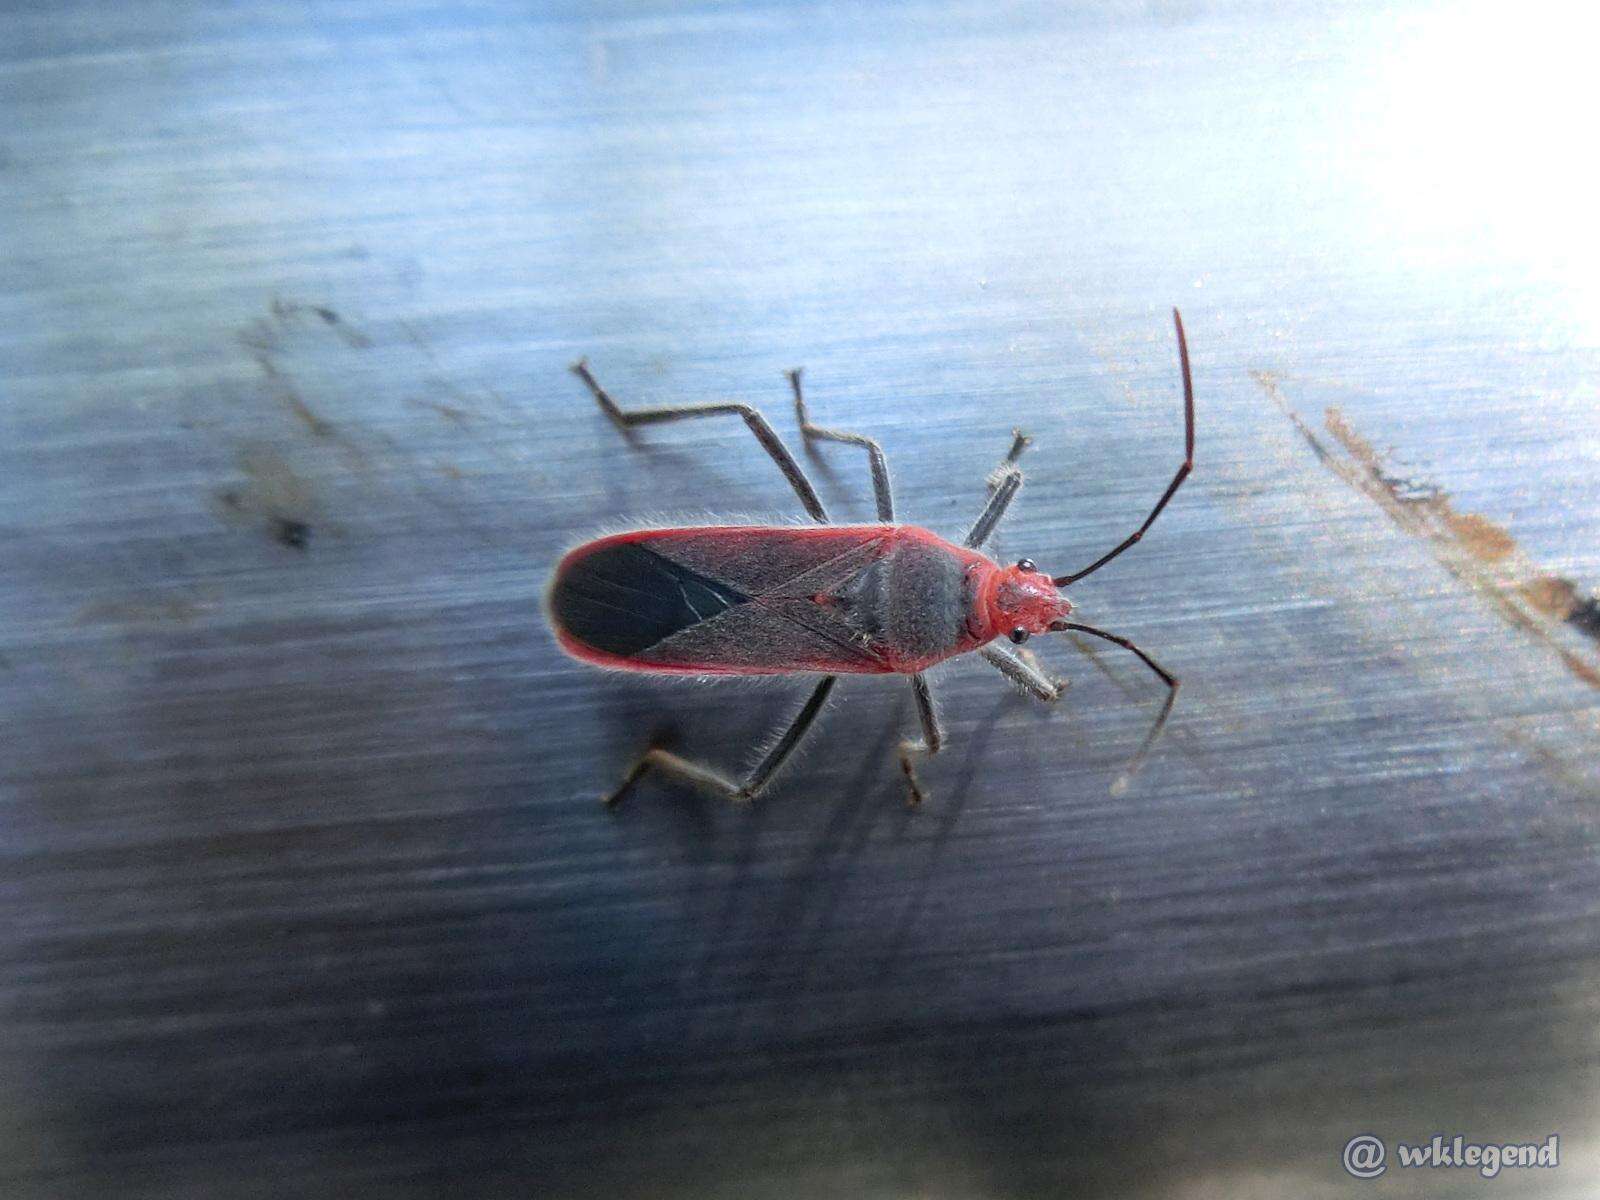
x=305 y=889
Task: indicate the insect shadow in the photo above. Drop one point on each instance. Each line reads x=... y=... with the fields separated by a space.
x=773 y=922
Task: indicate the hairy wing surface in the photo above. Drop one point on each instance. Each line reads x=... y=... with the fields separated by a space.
x=765 y=561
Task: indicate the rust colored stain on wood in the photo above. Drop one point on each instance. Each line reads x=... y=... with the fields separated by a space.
x=1475 y=549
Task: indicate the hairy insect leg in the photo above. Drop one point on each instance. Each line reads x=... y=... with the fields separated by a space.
x=1019 y=442
x=709 y=779
x=758 y=426
x=880 y=466
x=1023 y=670
x=1006 y=483
x=932 y=739
x=1177 y=480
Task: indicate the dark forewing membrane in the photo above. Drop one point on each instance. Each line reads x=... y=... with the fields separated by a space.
x=624 y=598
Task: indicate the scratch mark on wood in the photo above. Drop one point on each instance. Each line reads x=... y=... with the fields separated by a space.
x=275 y=493
x=290 y=532
x=1475 y=549
x=457 y=416
x=316 y=424
x=284 y=311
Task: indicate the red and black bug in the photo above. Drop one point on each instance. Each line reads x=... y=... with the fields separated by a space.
x=825 y=600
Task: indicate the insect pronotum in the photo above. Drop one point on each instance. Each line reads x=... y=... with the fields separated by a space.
x=822 y=600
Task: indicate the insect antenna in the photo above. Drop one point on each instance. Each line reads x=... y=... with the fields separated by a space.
x=1177 y=480
x=1167 y=677
x=1120 y=784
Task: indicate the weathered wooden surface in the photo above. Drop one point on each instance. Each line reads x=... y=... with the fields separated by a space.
x=305 y=889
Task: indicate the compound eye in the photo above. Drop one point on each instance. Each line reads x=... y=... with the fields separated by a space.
x=1019 y=635
x=1026 y=564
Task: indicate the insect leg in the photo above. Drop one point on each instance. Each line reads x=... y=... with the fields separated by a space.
x=1177 y=480
x=1019 y=442
x=708 y=779
x=758 y=426
x=880 y=467
x=1006 y=482
x=1023 y=673
x=932 y=739
x=1003 y=481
